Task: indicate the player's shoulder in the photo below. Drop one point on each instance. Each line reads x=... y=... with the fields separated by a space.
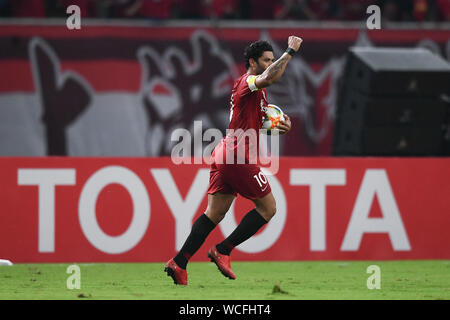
x=240 y=82
x=246 y=82
x=242 y=79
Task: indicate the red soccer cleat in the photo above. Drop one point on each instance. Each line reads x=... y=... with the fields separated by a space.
x=179 y=275
x=222 y=262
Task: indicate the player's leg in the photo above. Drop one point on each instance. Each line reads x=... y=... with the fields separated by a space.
x=266 y=206
x=251 y=183
x=218 y=205
x=250 y=224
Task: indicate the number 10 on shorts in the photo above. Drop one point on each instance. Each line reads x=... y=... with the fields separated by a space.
x=261 y=179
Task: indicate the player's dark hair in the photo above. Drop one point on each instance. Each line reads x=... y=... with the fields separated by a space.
x=255 y=50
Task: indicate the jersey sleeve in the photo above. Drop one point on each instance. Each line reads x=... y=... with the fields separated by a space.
x=247 y=86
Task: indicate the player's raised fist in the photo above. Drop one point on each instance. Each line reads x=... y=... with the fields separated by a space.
x=294 y=42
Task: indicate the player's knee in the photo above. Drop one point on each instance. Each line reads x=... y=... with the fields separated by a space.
x=268 y=211
x=215 y=215
x=220 y=215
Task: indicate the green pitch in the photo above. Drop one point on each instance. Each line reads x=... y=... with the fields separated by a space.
x=255 y=280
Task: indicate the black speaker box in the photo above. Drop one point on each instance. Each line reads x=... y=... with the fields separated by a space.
x=389 y=141
x=396 y=71
x=390 y=104
x=388 y=127
x=391 y=111
x=446 y=126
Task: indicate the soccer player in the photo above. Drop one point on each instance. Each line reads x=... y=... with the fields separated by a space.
x=247 y=105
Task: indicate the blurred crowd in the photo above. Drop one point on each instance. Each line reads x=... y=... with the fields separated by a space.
x=313 y=10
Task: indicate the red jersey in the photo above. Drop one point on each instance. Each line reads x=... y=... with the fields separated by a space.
x=247 y=110
x=233 y=171
x=247 y=104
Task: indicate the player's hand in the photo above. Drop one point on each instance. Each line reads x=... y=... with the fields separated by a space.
x=284 y=126
x=295 y=42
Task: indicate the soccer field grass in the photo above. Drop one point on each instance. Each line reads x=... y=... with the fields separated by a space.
x=255 y=280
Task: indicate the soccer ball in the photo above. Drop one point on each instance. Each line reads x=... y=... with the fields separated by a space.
x=272 y=117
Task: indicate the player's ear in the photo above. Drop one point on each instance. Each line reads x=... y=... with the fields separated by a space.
x=252 y=62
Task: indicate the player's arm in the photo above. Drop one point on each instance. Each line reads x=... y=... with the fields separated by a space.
x=276 y=69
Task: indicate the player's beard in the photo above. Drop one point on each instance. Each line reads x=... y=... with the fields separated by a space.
x=259 y=69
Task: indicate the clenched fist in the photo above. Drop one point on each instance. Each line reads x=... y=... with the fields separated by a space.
x=294 y=42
